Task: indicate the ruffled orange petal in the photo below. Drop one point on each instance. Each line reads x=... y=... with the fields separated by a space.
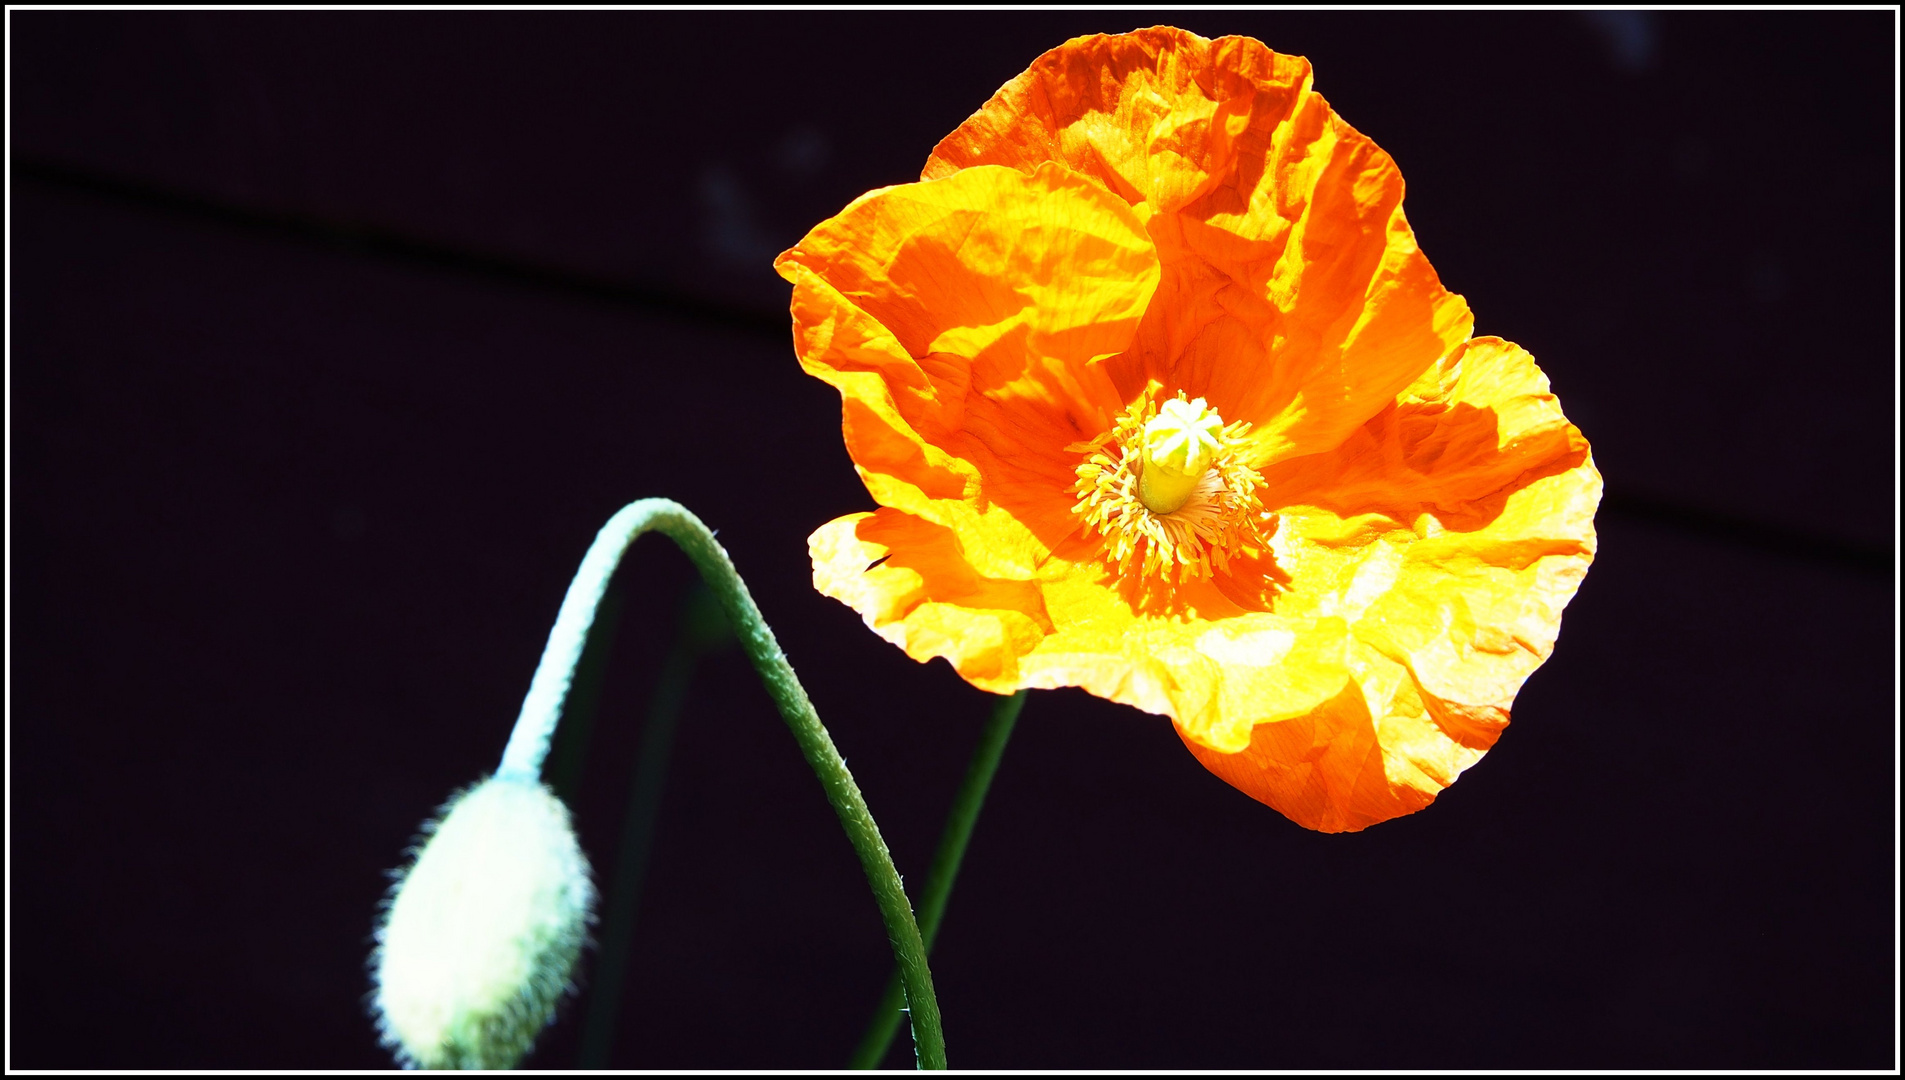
x=908 y=580
x=962 y=321
x=1294 y=295
x=1449 y=533
x=1217 y=669
x=1324 y=770
x=1160 y=116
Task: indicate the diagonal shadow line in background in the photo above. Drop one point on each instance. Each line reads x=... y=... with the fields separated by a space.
x=382 y=243
x=1755 y=535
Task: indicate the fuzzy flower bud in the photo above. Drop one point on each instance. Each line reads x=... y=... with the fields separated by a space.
x=482 y=932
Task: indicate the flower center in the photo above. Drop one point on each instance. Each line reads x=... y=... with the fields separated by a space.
x=1179 y=444
x=1168 y=490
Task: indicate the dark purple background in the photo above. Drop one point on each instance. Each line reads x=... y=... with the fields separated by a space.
x=335 y=336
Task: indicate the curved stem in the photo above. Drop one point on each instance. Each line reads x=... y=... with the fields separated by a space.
x=569 y=749
x=542 y=707
x=939 y=880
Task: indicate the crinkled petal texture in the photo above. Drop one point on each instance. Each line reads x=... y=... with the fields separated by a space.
x=1158 y=209
x=1293 y=288
x=965 y=322
x=1443 y=537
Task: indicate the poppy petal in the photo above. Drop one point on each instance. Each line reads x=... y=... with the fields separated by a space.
x=962 y=321
x=1451 y=532
x=1294 y=295
x=924 y=597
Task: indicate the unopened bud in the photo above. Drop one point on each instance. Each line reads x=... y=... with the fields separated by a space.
x=482 y=933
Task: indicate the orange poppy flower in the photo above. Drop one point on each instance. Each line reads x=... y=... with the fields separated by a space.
x=1158 y=397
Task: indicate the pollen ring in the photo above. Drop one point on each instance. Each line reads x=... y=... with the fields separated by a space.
x=1222 y=517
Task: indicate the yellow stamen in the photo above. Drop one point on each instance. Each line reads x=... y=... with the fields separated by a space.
x=1168 y=490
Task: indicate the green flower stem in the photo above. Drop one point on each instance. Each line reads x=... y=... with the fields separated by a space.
x=569 y=749
x=542 y=707
x=946 y=860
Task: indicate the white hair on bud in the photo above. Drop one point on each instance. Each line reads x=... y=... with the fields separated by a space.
x=480 y=935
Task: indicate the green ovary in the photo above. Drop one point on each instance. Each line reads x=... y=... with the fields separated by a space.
x=1179 y=445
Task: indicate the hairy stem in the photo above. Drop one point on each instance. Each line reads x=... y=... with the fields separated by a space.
x=569 y=749
x=542 y=707
x=939 y=880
